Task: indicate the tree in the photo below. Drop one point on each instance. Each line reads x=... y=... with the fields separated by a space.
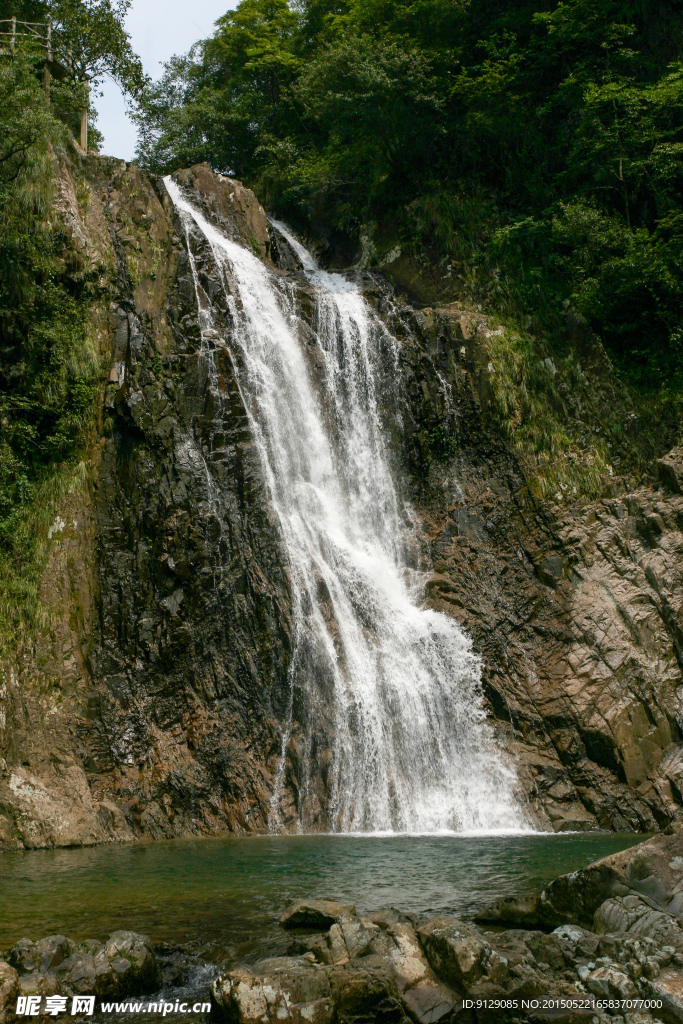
x=92 y=42
x=88 y=37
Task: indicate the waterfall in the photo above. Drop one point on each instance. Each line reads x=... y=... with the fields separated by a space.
x=397 y=686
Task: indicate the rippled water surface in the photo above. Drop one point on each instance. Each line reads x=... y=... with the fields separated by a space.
x=221 y=898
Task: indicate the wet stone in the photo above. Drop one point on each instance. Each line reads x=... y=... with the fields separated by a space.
x=320 y=914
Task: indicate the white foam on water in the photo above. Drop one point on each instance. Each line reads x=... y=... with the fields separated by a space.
x=398 y=685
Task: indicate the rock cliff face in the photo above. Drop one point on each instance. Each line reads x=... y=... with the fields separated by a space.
x=576 y=610
x=154 y=701
x=156 y=713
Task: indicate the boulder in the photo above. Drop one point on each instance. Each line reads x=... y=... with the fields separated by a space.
x=317 y=914
x=521 y=911
x=28 y=957
x=425 y=998
x=349 y=938
x=456 y=952
x=633 y=915
x=289 y=990
x=365 y=990
x=652 y=870
x=122 y=966
x=385 y=944
x=554 y=950
x=9 y=990
x=22 y=956
x=670 y=470
x=133 y=961
x=583 y=942
x=38 y=985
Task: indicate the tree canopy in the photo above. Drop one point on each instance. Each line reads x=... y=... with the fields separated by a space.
x=537 y=141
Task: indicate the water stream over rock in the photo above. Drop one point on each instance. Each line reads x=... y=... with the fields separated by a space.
x=399 y=685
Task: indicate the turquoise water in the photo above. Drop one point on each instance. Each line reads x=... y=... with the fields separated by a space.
x=221 y=898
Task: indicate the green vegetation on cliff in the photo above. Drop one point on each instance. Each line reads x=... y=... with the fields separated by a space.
x=532 y=150
x=49 y=365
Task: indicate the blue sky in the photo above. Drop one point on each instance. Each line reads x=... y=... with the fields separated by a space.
x=158 y=29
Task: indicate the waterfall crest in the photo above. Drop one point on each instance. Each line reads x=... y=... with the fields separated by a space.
x=398 y=685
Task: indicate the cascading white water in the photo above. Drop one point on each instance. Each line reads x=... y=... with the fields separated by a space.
x=398 y=685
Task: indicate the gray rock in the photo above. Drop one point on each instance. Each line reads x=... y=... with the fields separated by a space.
x=133 y=961
x=22 y=956
x=124 y=965
x=288 y=990
x=51 y=951
x=386 y=944
x=651 y=871
x=522 y=911
x=670 y=470
x=456 y=952
x=425 y=998
x=584 y=943
x=365 y=990
x=349 y=938
x=632 y=915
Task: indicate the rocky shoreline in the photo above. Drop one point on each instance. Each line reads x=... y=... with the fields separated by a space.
x=606 y=940
x=610 y=933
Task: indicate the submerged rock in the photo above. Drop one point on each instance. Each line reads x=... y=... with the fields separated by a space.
x=524 y=911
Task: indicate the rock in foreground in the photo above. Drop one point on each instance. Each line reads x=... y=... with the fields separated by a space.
x=123 y=965
x=617 y=935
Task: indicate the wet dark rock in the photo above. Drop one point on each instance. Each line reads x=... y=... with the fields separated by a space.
x=318 y=914
x=512 y=910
